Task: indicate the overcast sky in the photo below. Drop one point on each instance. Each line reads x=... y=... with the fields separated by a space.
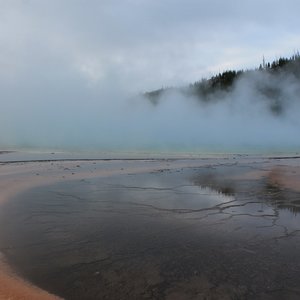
x=68 y=67
x=141 y=44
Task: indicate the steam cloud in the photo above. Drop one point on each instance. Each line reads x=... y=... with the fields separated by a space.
x=70 y=73
x=42 y=115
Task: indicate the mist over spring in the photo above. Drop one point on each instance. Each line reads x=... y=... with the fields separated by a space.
x=75 y=76
x=81 y=116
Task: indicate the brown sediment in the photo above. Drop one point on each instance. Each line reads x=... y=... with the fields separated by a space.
x=14 y=288
x=286 y=177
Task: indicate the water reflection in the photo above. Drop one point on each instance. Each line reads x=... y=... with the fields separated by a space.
x=263 y=190
x=215 y=182
x=172 y=235
x=281 y=198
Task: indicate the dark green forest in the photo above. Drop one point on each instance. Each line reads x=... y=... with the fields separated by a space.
x=207 y=89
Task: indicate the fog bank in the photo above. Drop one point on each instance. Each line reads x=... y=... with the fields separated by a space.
x=111 y=119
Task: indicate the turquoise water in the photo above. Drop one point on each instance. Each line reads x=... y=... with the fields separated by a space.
x=27 y=154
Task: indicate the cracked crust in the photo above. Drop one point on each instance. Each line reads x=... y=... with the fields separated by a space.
x=280 y=175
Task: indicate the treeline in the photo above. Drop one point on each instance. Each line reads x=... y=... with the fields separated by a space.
x=225 y=81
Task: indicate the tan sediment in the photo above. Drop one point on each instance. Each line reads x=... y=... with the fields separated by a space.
x=14 y=288
x=286 y=177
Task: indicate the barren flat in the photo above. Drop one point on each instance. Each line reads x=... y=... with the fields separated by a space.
x=214 y=228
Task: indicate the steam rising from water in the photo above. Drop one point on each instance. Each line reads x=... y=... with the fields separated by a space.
x=70 y=73
x=79 y=116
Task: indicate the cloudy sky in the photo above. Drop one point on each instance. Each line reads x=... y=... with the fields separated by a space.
x=141 y=44
x=56 y=54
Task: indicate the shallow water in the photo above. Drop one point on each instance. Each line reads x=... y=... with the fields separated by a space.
x=182 y=234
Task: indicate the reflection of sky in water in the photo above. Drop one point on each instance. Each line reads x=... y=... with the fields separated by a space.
x=161 y=192
x=288 y=219
x=217 y=201
x=167 y=191
x=166 y=220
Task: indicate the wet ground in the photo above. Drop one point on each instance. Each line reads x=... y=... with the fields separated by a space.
x=197 y=233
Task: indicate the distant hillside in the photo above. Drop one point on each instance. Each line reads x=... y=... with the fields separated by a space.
x=223 y=83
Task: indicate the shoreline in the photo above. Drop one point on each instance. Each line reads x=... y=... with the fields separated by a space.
x=18 y=177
